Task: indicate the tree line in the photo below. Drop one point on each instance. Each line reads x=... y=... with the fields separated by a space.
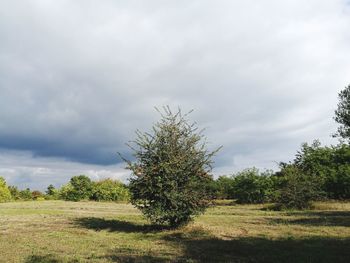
x=317 y=173
x=78 y=188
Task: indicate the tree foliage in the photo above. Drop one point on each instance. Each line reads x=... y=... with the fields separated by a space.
x=252 y=187
x=25 y=194
x=224 y=187
x=342 y=114
x=79 y=188
x=331 y=166
x=109 y=190
x=15 y=193
x=297 y=189
x=5 y=194
x=51 y=190
x=171 y=179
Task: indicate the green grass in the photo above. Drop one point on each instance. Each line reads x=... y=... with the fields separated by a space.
x=57 y=231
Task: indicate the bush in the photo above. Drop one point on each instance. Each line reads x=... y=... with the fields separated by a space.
x=109 y=190
x=251 y=187
x=5 y=194
x=37 y=194
x=297 y=189
x=170 y=180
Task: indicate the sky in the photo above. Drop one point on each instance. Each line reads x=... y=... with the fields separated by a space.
x=77 y=78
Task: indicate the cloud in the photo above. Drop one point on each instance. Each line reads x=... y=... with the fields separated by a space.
x=77 y=78
x=23 y=170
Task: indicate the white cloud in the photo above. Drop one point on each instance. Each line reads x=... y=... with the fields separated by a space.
x=77 y=78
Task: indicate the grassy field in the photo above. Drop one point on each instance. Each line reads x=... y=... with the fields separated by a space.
x=57 y=231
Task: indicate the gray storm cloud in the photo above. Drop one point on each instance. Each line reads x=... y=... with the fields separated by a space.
x=77 y=78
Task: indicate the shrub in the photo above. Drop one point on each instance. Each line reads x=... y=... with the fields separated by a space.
x=5 y=194
x=109 y=190
x=37 y=194
x=170 y=180
x=297 y=189
x=251 y=187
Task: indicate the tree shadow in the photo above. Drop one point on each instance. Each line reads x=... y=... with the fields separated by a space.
x=137 y=258
x=252 y=249
x=317 y=218
x=49 y=258
x=248 y=249
x=114 y=225
x=197 y=245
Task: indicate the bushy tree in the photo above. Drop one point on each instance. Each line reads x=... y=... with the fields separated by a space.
x=330 y=165
x=25 y=194
x=15 y=193
x=79 y=188
x=109 y=190
x=171 y=179
x=297 y=190
x=50 y=190
x=342 y=114
x=66 y=192
x=252 y=187
x=5 y=194
x=224 y=187
x=51 y=193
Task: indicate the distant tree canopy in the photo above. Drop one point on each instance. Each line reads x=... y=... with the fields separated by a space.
x=330 y=165
x=296 y=189
x=249 y=186
x=5 y=194
x=342 y=114
x=109 y=190
x=82 y=188
x=79 y=188
x=51 y=190
x=171 y=179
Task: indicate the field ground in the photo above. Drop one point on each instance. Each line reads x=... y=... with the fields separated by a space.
x=58 y=231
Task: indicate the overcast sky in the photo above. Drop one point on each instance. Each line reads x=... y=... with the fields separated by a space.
x=77 y=78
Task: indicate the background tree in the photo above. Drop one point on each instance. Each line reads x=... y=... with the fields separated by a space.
x=330 y=165
x=51 y=190
x=78 y=188
x=109 y=190
x=15 y=194
x=224 y=187
x=5 y=194
x=25 y=194
x=252 y=187
x=51 y=193
x=296 y=189
x=171 y=179
x=342 y=114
